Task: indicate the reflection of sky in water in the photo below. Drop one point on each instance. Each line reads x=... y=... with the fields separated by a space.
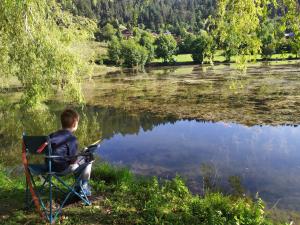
x=266 y=158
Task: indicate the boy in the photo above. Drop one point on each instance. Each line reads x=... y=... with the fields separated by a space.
x=64 y=144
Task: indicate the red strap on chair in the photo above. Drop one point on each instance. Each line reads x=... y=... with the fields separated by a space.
x=28 y=180
x=42 y=147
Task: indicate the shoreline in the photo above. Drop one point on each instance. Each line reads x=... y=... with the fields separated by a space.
x=121 y=197
x=161 y=64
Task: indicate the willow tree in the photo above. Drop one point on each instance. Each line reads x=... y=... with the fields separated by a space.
x=290 y=22
x=35 y=47
x=237 y=22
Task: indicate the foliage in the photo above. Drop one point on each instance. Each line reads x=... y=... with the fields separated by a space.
x=34 y=47
x=295 y=46
x=202 y=47
x=236 y=25
x=129 y=199
x=147 y=40
x=108 y=32
x=114 y=51
x=133 y=54
x=166 y=47
x=186 y=43
x=289 y=22
x=267 y=35
x=151 y=14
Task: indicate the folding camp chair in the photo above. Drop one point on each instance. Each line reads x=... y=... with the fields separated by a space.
x=40 y=178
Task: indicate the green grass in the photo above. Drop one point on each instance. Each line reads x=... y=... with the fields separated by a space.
x=186 y=58
x=122 y=198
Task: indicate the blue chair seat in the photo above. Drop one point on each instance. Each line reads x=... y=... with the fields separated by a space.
x=77 y=172
x=38 y=169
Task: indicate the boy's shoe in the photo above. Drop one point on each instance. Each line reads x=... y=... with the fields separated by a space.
x=86 y=190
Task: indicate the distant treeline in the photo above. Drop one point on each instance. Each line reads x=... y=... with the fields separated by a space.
x=243 y=28
x=150 y=14
x=156 y=15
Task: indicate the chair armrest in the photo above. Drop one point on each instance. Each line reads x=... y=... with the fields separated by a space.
x=54 y=157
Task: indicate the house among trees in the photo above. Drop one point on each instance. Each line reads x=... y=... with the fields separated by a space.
x=167 y=32
x=127 y=33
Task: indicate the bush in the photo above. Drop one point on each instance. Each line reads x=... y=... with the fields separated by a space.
x=136 y=200
x=110 y=174
x=108 y=32
x=147 y=40
x=268 y=50
x=295 y=46
x=202 y=47
x=133 y=54
x=128 y=53
x=185 y=46
x=114 y=51
x=166 y=47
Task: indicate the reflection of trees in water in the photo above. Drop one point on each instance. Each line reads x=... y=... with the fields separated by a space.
x=265 y=95
x=211 y=181
x=16 y=121
x=236 y=186
x=210 y=177
x=118 y=121
x=95 y=123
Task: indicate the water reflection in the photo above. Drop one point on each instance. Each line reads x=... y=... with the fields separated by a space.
x=265 y=158
x=161 y=123
x=210 y=156
x=266 y=94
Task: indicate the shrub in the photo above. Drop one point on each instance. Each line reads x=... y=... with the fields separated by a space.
x=108 y=32
x=133 y=54
x=202 y=47
x=166 y=47
x=147 y=41
x=185 y=46
x=114 y=51
x=128 y=53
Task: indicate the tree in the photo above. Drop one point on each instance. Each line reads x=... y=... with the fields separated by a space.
x=290 y=20
x=147 y=41
x=236 y=24
x=35 y=47
x=201 y=47
x=114 y=51
x=267 y=36
x=128 y=53
x=108 y=31
x=166 y=47
x=185 y=45
x=295 y=46
x=133 y=54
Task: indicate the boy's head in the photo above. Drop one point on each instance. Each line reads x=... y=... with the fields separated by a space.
x=69 y=119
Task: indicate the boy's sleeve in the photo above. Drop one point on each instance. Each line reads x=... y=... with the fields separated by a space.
x=73 y=145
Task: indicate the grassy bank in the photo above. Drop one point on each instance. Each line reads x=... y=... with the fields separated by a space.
x=122 y=198
x=219 y=58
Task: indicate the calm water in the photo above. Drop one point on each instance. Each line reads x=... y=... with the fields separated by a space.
x=198 y=122
x=266 y=158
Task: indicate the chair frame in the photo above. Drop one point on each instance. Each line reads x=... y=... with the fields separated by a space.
x=49 y=176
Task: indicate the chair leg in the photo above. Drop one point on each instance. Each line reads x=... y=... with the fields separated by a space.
x=50 y=199
x=37 y=193
x=27 y=196
x=72 y=190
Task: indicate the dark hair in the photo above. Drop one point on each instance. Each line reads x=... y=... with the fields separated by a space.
x=68 y=117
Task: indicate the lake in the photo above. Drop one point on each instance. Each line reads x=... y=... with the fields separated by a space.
x=206 y=124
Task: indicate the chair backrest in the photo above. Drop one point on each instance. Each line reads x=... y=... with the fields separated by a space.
x=37 y=145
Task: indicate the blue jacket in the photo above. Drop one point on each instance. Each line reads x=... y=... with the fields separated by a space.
x=64 y=144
